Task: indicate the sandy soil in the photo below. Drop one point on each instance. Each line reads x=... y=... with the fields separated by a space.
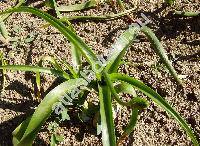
x=179 y=36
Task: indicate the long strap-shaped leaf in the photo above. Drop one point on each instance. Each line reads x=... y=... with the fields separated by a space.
x=76 y=55
x=132 y=122
x=114 y=93
x=4 y=17
x=34 y=69
x=71 y=36
x=160 y=51
x=19 y=131
x=55 y=64
x=158 y=100
x=55 y=7
x=68 y=67
x=44 y=110
x=120 y=47
x=3 y=29
x=130 y=127
x=99 y=18
x=107 y=124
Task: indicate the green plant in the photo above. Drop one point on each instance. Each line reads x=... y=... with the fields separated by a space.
x=90 y=4
x=103 y=84
x=187 y=14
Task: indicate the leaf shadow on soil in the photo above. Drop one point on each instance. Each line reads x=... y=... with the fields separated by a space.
x=26 y=106
x=193 y=57
x=22 y=105
x=171 y=26
x=83 y=127
x=7 y=127
x=190 y=97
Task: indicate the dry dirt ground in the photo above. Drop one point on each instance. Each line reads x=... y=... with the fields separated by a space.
x=179 y=36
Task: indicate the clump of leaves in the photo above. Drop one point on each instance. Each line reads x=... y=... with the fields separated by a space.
x=104 y=83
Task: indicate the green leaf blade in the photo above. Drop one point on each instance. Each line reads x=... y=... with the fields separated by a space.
x=55 y=65
x=158 y=100
x=69 y=34
x=120 y=48
x=55 y=7
x=107 y=124
x=160 y=51
x=131 y=125
x=35 y=69
x=44 y=109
